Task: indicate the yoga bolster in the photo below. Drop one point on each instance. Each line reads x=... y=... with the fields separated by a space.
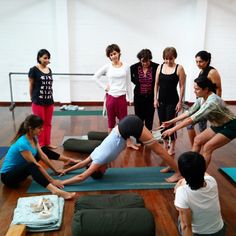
x=95 y=135
x=79 y=145
x=113 y=222
x=130 y=200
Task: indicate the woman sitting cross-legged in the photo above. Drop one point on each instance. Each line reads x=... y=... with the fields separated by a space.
x=114 y=143
x=22 y=159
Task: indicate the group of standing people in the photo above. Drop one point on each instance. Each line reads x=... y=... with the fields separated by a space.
x=155 y=88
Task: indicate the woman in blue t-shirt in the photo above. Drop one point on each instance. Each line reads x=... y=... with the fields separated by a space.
x=22 y=159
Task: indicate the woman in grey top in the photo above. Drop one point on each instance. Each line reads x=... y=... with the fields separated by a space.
x=213 y=108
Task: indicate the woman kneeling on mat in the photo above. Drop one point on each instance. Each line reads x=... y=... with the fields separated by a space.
x=112 y=146
x=212 y=108
x=22 y=159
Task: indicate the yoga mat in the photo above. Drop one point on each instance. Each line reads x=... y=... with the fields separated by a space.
x=230 y=172
x=116 y=179
x=3 y=151
x=78 y=113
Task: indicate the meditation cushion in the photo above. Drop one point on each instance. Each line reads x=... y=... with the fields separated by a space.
x=96 y=135
x=113 y=222
x=130 y=200
x=79 y=145
x=112 y=215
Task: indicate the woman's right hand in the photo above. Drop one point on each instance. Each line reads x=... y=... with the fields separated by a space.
x=63 y=172
x=156 y=103
x=58 y=183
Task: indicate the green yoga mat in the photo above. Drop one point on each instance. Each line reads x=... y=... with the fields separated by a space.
x=116 y=179
x=78 y=113
x=229 y=172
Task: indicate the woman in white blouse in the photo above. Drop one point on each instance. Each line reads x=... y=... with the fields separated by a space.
x=117 y=88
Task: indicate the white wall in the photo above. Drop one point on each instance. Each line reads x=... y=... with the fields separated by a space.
x=76 y=32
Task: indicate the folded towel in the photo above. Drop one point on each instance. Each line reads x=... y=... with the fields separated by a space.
x=34 y=221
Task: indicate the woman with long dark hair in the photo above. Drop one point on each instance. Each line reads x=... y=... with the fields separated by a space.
x=22 y=159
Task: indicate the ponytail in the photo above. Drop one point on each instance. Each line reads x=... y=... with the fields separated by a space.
x=31 y=121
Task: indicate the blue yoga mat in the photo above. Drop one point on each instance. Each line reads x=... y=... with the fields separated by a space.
x=230 y=172
x=3 y=151
x=116 y=179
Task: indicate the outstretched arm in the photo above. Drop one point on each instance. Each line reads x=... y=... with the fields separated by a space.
x=78 y=165
x=184 y=123
x=81 y=177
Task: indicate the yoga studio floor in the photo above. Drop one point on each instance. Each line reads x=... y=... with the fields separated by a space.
x=159 y=202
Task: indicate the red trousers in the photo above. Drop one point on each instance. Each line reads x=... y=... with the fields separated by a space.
x=45 y=112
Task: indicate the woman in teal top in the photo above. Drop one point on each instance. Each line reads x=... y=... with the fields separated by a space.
x=213 y=108
x=22 y=159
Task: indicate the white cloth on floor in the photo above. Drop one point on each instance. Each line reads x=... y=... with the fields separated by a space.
x=39 y=221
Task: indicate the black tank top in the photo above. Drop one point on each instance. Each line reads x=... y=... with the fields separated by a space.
x=205 y=73
x=168 y=87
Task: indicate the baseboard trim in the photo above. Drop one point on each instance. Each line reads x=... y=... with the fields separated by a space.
x=93 y=103
x=27 y=104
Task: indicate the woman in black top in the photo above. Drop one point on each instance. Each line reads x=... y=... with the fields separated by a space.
x=166 y=98
x=203 y=60
x=41 y=94
x=143 y=76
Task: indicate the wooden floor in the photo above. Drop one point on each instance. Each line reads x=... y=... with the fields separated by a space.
x=159 y=202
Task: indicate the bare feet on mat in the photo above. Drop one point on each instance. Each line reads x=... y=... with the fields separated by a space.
x=134 y=146
x=166 y=170
x=71 y=161
x=174 y=178
x=52 y=146
x=65 y=195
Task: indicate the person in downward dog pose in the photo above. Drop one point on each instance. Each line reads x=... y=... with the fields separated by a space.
x=114 y=143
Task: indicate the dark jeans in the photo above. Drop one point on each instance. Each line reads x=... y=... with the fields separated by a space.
x=222 y=232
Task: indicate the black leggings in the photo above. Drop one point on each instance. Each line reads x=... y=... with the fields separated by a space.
x=144 y=109
x=19 y=174
x=167 y=112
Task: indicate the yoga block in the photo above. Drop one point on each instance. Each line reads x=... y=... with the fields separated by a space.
x=130 y=200
x=79 y=145
x=16 y=230
x=113 y=222
x=95 y=135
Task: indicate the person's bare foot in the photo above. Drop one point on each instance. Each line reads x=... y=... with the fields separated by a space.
x=52 y=146
x=174 y=178
x=166 y=170
x=71 y=161
x=65 y=195
x=133 y=146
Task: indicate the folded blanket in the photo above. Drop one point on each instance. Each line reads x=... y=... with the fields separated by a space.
x=34 y=221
